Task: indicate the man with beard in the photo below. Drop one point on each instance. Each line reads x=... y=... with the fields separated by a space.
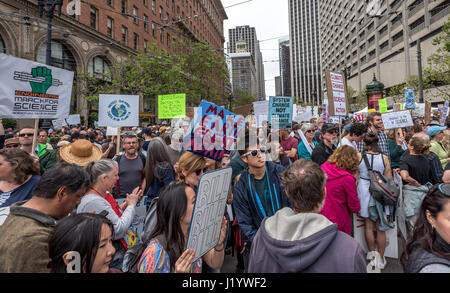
x=327 y=146
x=131 y=167
x=375 y=124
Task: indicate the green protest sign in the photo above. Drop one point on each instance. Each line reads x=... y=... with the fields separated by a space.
x=382 y=103
x=171 y=106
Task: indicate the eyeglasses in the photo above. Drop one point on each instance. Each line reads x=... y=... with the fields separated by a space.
x=133 y=142
x=199 y=171
x=254 y=153
x=26 y=134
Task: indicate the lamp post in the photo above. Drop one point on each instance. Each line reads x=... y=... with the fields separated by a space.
x=49 y=7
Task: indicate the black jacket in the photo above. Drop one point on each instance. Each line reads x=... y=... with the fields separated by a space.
x=321 y=153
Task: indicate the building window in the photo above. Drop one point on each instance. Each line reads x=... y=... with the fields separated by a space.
x=160 y=13
x=135 y=15
x=110 y=3
x=136 y=41
x=145 y=23
x=93 y=17
x=99 y=68
x=61 y=56
x=125 y=35
x=153 y=7
x=124 y=6
x=168 y=40
x=145 y=46
x=161 y=36
x=153 y=30
x=110 y=27
x=145 y=3
x=2 y=46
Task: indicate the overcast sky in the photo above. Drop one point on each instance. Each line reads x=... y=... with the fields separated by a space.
x=270 y=19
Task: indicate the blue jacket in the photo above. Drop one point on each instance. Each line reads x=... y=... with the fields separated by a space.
x=248 y=208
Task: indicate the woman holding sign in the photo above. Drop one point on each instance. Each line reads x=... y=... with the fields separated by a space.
x=165 y=247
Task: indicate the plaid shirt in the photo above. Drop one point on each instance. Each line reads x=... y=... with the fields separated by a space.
x=382 y=143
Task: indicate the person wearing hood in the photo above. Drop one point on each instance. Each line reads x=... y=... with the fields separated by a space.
x=258 y=193
x=342 y=196
x=301 y=239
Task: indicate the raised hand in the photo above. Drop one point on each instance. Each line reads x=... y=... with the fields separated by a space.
x=41 y=87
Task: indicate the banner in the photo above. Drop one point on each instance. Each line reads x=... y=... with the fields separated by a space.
x=213 y=132
x=280 y=108
x=30 y=89
x=73 y=119
x=337 y=96
x=209 y=208
x=397 y=119
x=171 y=106
x=409 y=99
x=118 y=110
x=261 y=111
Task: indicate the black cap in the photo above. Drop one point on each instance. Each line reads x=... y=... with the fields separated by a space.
x=328 y=127
x=147 y=131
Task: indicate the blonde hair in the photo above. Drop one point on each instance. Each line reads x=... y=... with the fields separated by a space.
x=345 y=158
x=189 y=162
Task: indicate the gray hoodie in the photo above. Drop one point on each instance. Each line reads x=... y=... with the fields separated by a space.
x=305 y=242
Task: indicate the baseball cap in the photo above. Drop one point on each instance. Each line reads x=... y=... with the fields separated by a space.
x=435 y=129
x=328 y=127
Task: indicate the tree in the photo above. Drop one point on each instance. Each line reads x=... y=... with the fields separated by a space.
x=241 y=98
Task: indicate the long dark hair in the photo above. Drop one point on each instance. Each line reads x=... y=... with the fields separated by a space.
x=157 y=159
x=80 y=233
x=171 y=208
x=371 y=142
x=423 y=232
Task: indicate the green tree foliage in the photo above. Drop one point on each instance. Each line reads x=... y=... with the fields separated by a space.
x=241 y=98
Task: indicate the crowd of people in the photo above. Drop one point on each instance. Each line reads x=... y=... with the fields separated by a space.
x=292 y=199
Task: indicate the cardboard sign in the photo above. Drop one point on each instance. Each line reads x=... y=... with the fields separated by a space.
x=59 y=123
x=118 y=110
x=30 y=89
x=397 y=119
x=73 y=119
x=337 y=95
x=136 y=230
x=409 y=99
x=213 y=132
x=382 y=104
x=280 y=112
x=209 y=208
x=171 y=106
x=261 y=111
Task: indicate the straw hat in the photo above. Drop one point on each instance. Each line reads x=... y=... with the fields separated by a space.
x=80 y=152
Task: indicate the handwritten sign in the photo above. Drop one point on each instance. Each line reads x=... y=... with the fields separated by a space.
x=209 y=208
x=280 y=111
x=171 y=106
x=337 y=96
x=74 y=119
x=112 y=131
x=397 y=119
x=59 y=123
x=214 y=131
x=382 y=104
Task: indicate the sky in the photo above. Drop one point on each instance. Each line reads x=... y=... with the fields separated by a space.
x=270 y=19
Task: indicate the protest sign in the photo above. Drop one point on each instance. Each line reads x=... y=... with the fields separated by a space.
x=213 y=132
x=59 y=123
x=444 y=113
x=261 y=111
x=136 y=231
x=208 y=213
x=112 y=131
x=337 y=95
x=409 y=99
x=280 y=109
x=397 y=119
x=73 y=119
x=391 y=236
x=382 y=104
x=315 y=111
x=118 y=110
x=96 y=124
x=171 y=106
x=419 y=110
x=33 y=90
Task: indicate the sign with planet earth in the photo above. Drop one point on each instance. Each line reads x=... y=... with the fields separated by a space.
x=118 y=110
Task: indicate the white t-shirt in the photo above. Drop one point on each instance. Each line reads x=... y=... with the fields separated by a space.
x=345 y=141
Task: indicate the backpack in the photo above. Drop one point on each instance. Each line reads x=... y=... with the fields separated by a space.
x=382 y=189
x=133 y=255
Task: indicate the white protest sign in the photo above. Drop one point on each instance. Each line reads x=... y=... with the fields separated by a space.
x=59 y=123
x=209 y=209
x=419 y=110
x=113 y=131
x=73 y=119
x=136 y=230
x=118 y=110
x=397 y=119
x=391 y=237
x=261 y=111
x=30 y=89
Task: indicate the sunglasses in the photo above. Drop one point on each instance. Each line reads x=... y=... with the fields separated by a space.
x=10 y=146
x=200 y=171
x=254 y=153
x=26 y=134
x=309 y=131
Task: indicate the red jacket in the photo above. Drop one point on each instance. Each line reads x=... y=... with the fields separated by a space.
x=341 y=198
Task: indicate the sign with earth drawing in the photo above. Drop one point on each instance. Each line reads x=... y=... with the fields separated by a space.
x=118 y=110
x=31 y=90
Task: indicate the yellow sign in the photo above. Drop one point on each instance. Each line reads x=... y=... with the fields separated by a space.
x=382 y=103
x=371 y=110
x=171 y=106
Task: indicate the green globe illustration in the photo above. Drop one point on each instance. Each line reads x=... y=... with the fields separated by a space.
x=119 y=110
